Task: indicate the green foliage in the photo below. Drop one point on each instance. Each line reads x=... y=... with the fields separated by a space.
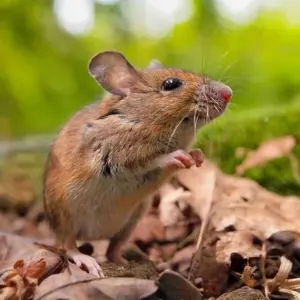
x=44 y=77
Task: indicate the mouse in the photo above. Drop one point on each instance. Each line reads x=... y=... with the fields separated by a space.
x=110 y=157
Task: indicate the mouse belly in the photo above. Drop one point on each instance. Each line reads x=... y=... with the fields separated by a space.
x=103 y=222
x=99 y=210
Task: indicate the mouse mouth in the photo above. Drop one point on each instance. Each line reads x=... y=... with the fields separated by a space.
x=207 y=111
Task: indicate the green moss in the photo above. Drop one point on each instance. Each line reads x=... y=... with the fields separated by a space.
x=248 y=129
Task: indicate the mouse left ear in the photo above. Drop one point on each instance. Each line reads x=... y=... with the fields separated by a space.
x=154 y=64
x=113 y=72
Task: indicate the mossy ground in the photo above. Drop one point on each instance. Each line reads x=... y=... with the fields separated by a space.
x=248 y=129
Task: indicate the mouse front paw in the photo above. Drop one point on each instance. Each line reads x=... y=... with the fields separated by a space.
x=180 y=159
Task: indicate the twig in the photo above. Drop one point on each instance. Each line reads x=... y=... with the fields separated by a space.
x=67 y=285
x=38 y=143
x=295 y=167
x=262 y=267
x=196 y=258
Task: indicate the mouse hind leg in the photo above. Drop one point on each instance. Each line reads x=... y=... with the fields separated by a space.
x=114 y=251
x=61 y=223
x=67 y=241
x=80 y=259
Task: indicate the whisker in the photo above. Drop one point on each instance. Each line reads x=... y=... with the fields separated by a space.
x=226 y=69
x=195 y=122
x=173 y=133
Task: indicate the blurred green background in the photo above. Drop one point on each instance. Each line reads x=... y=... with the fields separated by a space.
x=252 y=45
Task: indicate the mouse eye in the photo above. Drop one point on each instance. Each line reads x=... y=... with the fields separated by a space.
x=171 y=84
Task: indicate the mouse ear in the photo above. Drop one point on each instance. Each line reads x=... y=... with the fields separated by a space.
x=113 y=72
x=154 y=64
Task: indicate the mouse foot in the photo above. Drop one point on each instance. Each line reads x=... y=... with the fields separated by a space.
x=87 y=262
x=114 y=253
x=178 y=159
x=117 y=258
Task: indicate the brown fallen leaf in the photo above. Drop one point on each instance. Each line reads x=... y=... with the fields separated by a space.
x=8 y=293
x=181 y=260
x=126 y=288
x=241 y=242
x=268 y=150
x=33 y=269
x=149 y=229
x=247 y=277
x=24 y=276
x=54 y=262
x=13 y=248
x=18 y=278
x=214 y=273
x=261 y=221
x=200 y=182
x=290 y=207
x=76 y=284
x=155 y=253
x=172 y=201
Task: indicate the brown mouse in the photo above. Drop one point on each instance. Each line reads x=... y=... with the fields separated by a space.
x=112 y=155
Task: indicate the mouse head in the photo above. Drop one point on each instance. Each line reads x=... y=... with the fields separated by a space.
x=159 y=94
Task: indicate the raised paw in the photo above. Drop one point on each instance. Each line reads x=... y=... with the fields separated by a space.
x=197 y=157
x=178 y=159
x=88 y=262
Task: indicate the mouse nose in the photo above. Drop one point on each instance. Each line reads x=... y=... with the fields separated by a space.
x=225 y=92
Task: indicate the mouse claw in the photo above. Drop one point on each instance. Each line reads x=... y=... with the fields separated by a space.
x=178 y=159
x=197 y=156
x=87 y=262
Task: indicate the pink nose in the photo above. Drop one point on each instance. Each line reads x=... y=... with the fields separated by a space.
x=226 y=93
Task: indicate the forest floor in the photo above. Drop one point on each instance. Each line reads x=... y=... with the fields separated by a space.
x=208 y=234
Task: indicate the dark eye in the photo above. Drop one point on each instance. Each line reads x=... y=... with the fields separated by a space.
x=171 y=84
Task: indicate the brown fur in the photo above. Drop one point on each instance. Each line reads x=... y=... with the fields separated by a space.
x=101 y=167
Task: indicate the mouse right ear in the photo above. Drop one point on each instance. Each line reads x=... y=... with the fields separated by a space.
x=113 y=72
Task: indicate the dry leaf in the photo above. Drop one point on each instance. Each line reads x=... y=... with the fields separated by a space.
x=35 y=269
x=214 y=274
x=200 y=182
x=80 y=285
x=247 y=277
x=171 y=202
x=241 y=242
x=268 y=150
x=148 y=229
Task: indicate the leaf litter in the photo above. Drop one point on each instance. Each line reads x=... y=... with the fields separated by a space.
x=208 y=235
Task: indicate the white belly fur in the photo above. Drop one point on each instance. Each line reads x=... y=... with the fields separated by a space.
x=101 y=207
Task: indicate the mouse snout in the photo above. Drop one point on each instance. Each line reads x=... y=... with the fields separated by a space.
x=224 y=91
x=213 y=98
